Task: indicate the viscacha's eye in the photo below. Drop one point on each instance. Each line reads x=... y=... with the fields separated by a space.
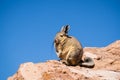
x=61 y=35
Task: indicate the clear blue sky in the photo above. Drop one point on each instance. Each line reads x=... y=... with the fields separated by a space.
x=28 y=27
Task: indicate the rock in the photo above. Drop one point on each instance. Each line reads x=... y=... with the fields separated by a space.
x=109 y=56
x=91 y=55
x=50 y=70
x=107 y=67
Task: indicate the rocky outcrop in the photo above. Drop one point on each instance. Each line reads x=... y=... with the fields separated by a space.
x=107 y=67
x=106 y=57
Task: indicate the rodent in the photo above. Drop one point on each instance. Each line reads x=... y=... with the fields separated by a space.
x=70 y=50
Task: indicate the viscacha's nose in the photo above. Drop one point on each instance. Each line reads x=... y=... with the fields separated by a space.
x=56 y=41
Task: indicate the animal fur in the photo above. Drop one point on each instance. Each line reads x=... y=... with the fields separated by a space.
x=69 y=49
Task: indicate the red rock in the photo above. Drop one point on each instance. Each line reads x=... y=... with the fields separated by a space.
x=107 y=67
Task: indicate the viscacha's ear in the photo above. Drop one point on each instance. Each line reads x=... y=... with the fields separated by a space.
x=65 y=29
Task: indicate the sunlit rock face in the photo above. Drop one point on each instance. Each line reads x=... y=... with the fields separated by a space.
x=107 y=67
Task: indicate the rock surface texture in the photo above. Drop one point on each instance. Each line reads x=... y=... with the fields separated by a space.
x=107 y=67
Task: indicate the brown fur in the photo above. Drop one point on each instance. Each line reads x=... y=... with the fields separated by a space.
x=69 y=49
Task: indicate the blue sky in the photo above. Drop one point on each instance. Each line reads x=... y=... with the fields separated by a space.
x=28 y=27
